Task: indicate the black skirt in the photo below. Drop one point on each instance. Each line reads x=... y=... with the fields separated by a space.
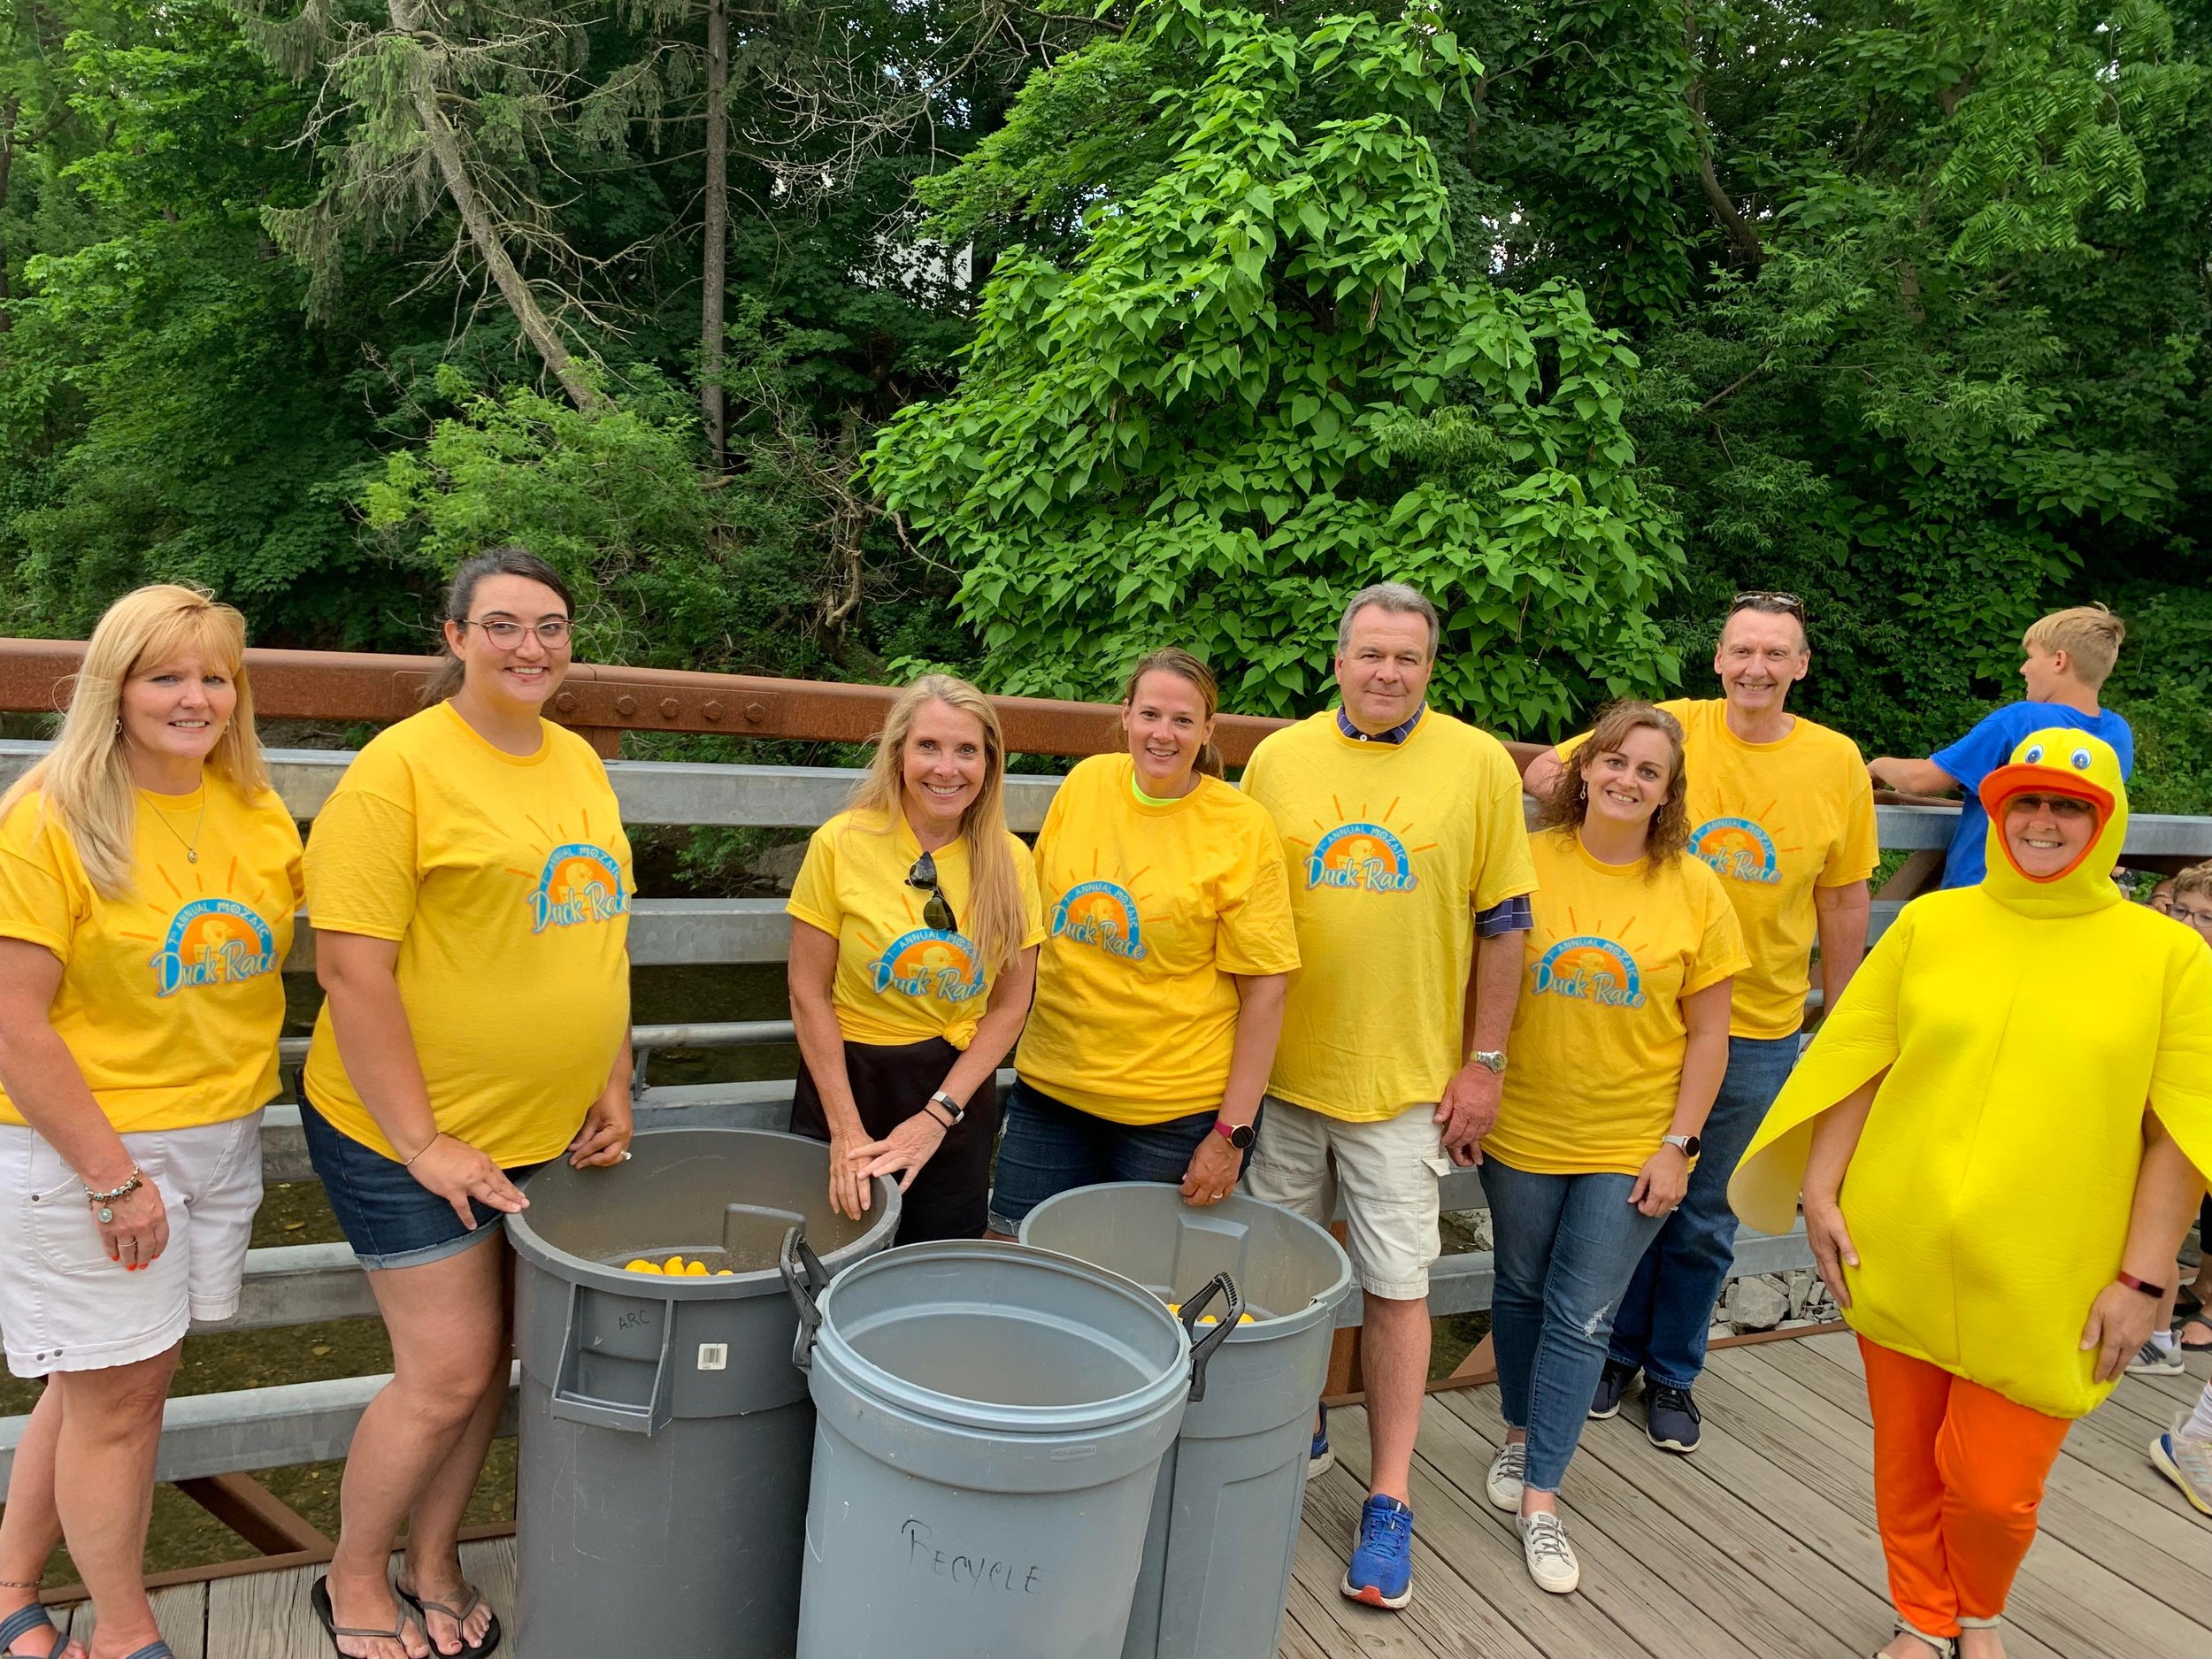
x=950 y=1198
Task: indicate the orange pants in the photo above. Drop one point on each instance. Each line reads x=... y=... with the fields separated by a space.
x=1958 y=1474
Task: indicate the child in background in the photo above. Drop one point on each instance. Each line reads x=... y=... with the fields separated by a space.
x=2069 y=655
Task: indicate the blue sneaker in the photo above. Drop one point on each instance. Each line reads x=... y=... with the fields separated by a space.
x=1320 y=1460
x=1381 y=1573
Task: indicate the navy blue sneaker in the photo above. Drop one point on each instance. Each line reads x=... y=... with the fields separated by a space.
x=1671 y=1418
x=1381 y=1573
x=1613 y=1383
x=1320 y=1460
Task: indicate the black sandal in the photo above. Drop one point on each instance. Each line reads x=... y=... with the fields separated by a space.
x=2200 y=1317
x=319 y=1599
x=475 y=1599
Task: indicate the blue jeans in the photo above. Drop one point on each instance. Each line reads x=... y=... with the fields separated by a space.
x=1565 y=1248
x=1050 y=1146
x=1663 y=1319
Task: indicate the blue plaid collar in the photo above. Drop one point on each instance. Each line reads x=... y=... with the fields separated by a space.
x=1394 y=736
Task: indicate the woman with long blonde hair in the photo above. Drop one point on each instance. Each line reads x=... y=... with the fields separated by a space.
x=149 y=878
x=915 y=924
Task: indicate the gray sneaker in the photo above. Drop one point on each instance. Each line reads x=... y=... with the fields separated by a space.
x=2153 y=1360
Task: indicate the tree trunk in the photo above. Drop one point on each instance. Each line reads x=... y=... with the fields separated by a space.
x=9 y=112
x=490 y=248
x=1742 y=235
x=715 y=272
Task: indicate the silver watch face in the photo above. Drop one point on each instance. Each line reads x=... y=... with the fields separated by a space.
x=1491 y=1060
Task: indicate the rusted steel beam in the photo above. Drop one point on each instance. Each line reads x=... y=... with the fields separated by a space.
x=601 y=700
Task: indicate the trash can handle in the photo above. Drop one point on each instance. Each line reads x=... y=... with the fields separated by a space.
x=648 y=1417
x=806 y=1278
x=1202 y=1348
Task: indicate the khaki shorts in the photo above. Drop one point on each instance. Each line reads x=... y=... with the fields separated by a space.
x=63 y=1306
x=1387 y=1170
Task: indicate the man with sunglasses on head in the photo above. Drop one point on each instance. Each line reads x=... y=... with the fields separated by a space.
x=1782 y=810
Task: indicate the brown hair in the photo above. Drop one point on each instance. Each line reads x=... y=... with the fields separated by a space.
x=996 y=917
x=460 y=594
x=84 y=780
x=1569 y=801
x=2197 y=879
x=1174 y=659
x=2089 y=634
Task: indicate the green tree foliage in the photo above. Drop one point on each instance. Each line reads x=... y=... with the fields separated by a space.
x=1249 y=387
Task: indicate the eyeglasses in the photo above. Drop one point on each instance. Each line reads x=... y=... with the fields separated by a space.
x=2201 y=920
x=2065 y=806
x=506 y=634
x=938 y=911
x=1786 y=604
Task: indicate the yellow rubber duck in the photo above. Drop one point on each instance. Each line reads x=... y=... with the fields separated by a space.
x=1207 y=1319
x=2023 y=1024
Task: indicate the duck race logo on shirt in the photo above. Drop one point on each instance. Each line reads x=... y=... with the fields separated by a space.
x=1595 y=970
x=213 y=941
x=929 y=964
x=580 y=883
x=1100 y=913
x=1360 y=857
x=1737 y=848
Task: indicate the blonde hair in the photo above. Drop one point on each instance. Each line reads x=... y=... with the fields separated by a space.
x=86 y=782
x=996 y=917
x=2197 y=879
x=1174 y=659
x=1569 y=801
x=2089 y=634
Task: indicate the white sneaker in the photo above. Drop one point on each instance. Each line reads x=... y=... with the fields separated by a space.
x=1551 y=1559
x=1508 y=1471
x=2186 y=1462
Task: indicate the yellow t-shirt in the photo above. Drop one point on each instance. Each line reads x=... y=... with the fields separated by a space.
x=506 y=881
x=171 y=998
x=1150 y=909
x=1391 y=850
x=1775 y=821
x=1598 y=1037
x=899 y=979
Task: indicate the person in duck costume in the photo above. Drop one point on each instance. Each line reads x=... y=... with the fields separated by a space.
x=1999 y=1135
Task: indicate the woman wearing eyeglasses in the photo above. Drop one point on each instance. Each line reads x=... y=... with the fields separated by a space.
x=914 y=932
x=470 y=885
x=1160 y=990
x=2029 y=1045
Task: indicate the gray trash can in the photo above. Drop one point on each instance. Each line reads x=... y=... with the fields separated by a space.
x=990 y=1421
x=1224 y=1519
x=665 y=1438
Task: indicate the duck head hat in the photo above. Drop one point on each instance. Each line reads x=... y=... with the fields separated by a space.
x=2058 y=761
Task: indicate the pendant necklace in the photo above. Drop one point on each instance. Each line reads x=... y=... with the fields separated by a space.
x=191 y=847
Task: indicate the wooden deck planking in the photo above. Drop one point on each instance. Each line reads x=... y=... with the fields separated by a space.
x=1761 y=1546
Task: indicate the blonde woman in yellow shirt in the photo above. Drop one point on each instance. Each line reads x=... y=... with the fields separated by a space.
x=1620 y=1042
x=1160 y=985
x=914 y=933
x=149 y=878
x=471 y=887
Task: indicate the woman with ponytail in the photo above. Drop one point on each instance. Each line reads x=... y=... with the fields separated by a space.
x=914 y=932
x=148 y=877
x=1160 y=988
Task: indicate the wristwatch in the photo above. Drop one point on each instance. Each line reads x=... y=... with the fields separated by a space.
x=958 y=1112
x=1688 y=1144
x=1239 y=1136
x=1491 y=1060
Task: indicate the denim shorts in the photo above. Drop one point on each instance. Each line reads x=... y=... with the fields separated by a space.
x=390 y=1217
x=1050 y=1146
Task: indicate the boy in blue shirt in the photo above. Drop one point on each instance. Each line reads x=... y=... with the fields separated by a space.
x=2069 y=655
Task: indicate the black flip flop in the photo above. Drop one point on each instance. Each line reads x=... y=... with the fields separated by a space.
x=319 y=1599
x=2200 y=1317
x=423 y=1609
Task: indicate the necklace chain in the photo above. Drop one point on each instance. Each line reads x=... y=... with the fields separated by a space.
x=191 y=847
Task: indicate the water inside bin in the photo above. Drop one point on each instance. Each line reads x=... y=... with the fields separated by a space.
x=997 y=1359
